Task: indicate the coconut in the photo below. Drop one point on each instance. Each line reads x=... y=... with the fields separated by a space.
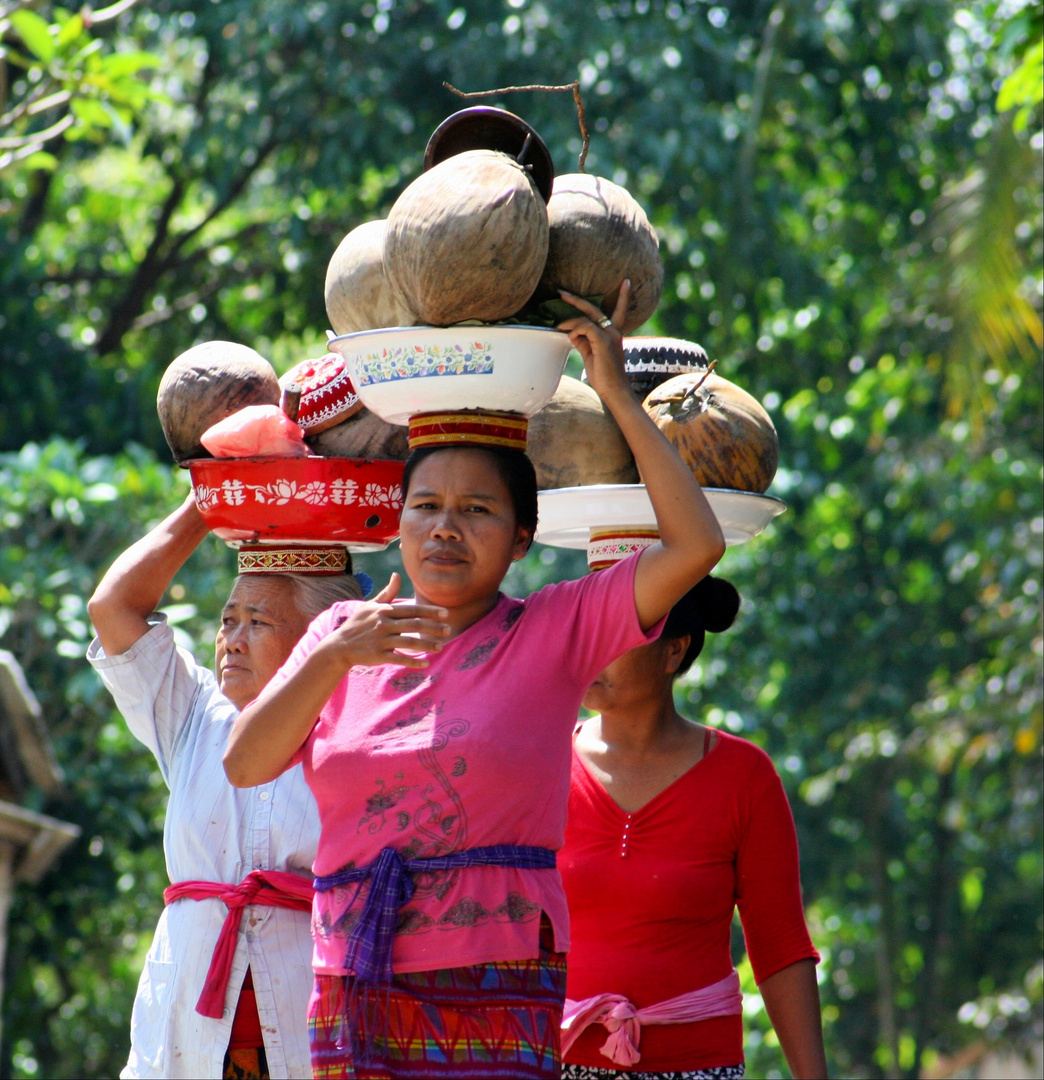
x=599 y=236
x=574 y=440
x=358 y=296
x=363 y=436
x=204 y=385
x=467 y=240
x=722 y=433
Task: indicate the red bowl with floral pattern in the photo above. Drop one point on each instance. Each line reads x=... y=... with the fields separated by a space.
x=346 y=501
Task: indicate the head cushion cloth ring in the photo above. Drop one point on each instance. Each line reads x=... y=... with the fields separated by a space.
x=478 y=428
x=315 y=559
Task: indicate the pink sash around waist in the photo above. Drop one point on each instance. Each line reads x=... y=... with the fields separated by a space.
x=624 y=1022
x=273 y=888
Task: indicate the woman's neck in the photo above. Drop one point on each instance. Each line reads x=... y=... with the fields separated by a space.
x=464 y=616
x=650 y=726
x=637 y=754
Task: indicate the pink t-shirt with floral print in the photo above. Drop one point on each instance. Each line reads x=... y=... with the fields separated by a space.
x=472 y=751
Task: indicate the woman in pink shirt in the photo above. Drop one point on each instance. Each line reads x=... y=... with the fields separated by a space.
x=435 y=735
x=672 y=826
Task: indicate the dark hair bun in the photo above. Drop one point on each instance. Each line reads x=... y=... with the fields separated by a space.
x=718 y=602
x=711 y=604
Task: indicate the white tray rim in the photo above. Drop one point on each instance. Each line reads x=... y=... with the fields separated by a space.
x=566 y=515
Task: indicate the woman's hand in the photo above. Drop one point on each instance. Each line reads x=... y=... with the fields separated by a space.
x=270 y=730
x=599 y=340
x=380 y=632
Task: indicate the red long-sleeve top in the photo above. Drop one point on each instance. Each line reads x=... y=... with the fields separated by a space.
x=651 y=897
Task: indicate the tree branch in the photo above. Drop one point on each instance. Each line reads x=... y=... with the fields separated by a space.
x=758 y=95
x=230 y=196
x=114 y=11
x=37 y=138
x=126 y=310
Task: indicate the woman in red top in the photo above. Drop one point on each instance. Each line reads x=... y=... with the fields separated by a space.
x=671 y=826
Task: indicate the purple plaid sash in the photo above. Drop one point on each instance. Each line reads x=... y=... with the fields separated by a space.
x=369 y=952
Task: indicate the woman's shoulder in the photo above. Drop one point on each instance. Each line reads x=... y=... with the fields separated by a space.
x=618 y=578
x=743 y=756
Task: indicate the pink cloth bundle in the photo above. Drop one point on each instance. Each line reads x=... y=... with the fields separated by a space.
x=624 y=1022
x=255 y=431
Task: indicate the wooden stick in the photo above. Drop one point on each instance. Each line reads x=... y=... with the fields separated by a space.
x=573 y=86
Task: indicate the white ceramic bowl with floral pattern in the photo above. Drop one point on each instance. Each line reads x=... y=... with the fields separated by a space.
x=403 y=371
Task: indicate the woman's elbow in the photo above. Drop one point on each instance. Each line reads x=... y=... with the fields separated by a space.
x=711 y=555
x=242 y=769
x=101 y=606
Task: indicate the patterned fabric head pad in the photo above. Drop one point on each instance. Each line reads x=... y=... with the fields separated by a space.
x=608 y=546
x=470 y=426
x=322 y=559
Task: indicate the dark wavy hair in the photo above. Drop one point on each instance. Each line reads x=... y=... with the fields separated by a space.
x=513 y=467
x=711 y=604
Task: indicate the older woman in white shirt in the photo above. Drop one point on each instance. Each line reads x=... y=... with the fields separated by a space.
x=215 y=837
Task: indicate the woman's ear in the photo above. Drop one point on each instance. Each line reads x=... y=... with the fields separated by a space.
x=676 y=650
x=523 y=542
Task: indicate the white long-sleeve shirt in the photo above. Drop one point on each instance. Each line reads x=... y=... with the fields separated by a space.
x=213 y=832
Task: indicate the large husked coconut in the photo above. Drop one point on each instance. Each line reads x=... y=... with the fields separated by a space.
x=204 y=385
x=722 y=433
x=363 y=436
x=467 y=240
x=358 y=296
x=599 y=236
x=574 y=441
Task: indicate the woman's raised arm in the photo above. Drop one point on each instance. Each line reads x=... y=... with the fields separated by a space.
x=691 y=542
x=133 y=586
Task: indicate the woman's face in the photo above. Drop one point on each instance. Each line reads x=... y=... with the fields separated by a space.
x=641 y=675
x=260 y=626
x=457 y=530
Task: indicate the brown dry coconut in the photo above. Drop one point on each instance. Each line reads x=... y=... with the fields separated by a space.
x=204 y=385
x=599 y=236
x=722 y=432
x=574 y=441
x=363 y=436
x=358 y=296
x=467 y=240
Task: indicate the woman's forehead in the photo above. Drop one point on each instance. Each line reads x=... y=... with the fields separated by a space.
x=461 y=470
x=260 y=592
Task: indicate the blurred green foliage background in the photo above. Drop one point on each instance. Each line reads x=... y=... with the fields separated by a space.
x=851 y=226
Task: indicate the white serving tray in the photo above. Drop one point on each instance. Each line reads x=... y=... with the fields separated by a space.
x=568 y=514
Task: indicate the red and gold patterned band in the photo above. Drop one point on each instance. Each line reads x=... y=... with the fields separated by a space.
x=608 y=546
x=317 y=559
x=480 y=428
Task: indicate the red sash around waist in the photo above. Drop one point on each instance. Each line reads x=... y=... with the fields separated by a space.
x=273 y=888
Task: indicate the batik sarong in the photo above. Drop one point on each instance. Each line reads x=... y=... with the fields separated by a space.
x=487 y=1020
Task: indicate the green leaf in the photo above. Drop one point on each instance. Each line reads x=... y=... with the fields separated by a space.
x=72 y=29
x=41 y=160
x=1024 y=86
x=120 y=64
x=91 y=113
x=35 y=33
